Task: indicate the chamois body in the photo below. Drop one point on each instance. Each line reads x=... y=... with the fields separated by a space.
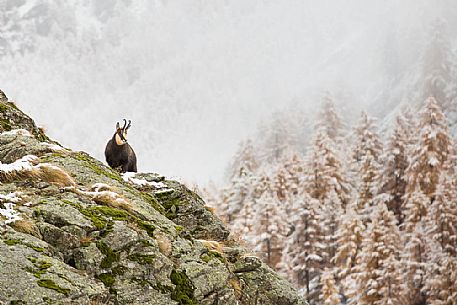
x=118 y=153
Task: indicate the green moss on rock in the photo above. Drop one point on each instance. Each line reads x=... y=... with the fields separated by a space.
x=149 y=228
x=97 y=166
x=12 y=242
x=110 y=255
x=153 y=202
x=107 y=279
x=143 y=259
x=50 y=284
x=183 y=293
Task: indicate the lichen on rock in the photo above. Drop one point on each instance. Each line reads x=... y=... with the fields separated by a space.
x=108 y=239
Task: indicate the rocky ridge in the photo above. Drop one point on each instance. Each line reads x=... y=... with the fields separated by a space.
x=74 y=231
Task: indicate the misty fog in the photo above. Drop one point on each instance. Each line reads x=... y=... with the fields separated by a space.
x=196 y=77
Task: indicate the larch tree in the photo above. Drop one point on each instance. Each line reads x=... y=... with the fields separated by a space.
x=395 y=162
x=441 y=221
x=222 y=207
x=262 y=184
x=245 y=159
x=379 y=281
x=294 y=165
x=329 y=291
x=270 y=226
x=244 y=222
x=415 y=256
x=324 y=173
x=366 y=158
x=349 y=240
x=441 y=228
x=276 y=137
x=281 y=183
x=303 y=251
x=414 y=262
x=441 y=282
x=330 y=212
x=428 y=157
x=416 y=206
x=329 y=120
x=241 y=186
x=430 y=150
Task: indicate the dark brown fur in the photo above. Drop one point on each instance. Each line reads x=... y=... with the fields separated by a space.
x=120 y=156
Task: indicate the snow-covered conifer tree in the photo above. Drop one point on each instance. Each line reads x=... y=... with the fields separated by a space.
x=302 y=257
x=329 y=120
x=441 y=281
x=324 y=173
x=414 y=261
x=281 y=183
x=416 y=206
x=294 y=165
x=395 y=163
x=239 y=190
x=275 y=137
x=349 y=244
x=430 y=151
x=245 y=159
x=378 y=280
x=366 y=158
x=330 y=214
x=270 y=226
x=329 y=291
x=243 y=223
x=441 y=228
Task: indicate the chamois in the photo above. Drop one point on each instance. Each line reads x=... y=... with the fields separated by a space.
x=118 y=153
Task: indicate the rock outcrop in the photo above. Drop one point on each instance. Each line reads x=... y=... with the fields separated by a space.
x=73 y=231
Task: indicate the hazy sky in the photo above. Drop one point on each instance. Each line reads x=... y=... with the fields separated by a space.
x=196 y=77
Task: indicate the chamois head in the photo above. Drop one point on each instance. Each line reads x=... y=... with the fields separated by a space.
x=121 y=133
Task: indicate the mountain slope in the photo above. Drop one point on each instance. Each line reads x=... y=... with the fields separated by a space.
x=73 y=231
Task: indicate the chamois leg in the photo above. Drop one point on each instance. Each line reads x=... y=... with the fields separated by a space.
x=133 y=167
x=125 y=167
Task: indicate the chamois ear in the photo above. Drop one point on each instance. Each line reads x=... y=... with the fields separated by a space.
x=117 y=126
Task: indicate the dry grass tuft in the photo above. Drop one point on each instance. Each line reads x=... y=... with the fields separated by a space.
x=86 y=240
x=26 y=226
x=55 y=175
x=42 y=129
x=29 y=167
x=212 y=245
x=101 y=300
x=107 y=198
x=112 y=200
x=236 y=285
x=164 y=243
x=210 y=209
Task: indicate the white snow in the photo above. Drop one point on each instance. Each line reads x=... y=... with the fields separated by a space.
x=97 y=187
x=21 y=132
x=23 y=164
x=54 y=147
x=9 y=212
x=130 y=177
x=433 y=161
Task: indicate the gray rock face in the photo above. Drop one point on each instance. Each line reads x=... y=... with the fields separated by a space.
x=152 y=242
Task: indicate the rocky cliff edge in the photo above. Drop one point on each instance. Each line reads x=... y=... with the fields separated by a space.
x=74 y=231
